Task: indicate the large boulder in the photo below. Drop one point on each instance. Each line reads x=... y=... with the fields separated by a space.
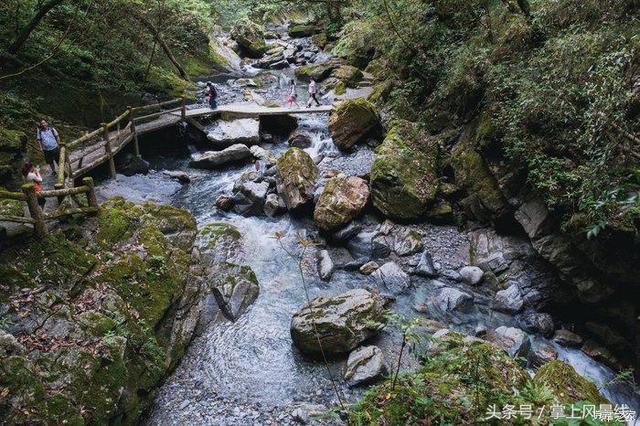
x=299 y=139
x=216 y=159
x=297 y=176
x=515 y=341
x=250 y=38
x=341 y=201
x=349 y=75
x=450 y=300
x=508 y=300
x=302 y=30
x=235 y=288
x=404 y=174
x=353 y=121
x=342 y=322
x=365 y=365
x=567 y=385
x=242 y=131
x=318 y=72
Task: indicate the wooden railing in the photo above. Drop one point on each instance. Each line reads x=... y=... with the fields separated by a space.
x=113 y=135
x=38 y=217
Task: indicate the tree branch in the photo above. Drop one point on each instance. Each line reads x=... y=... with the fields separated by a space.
x=22 y=38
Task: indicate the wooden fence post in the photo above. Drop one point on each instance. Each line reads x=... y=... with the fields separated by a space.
x=91 y=194
x=183 y=109
x=136 y=144
x=107 y=148
x=39 y=226
x=61 y=164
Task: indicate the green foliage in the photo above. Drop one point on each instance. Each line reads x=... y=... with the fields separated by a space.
x=550 y=84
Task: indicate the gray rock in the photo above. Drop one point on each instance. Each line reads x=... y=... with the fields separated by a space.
x=250 y=198
x=365 y=365
x=306 y=414
x=407 y=241
x=541 y=354
x=225 y=202
x=242 y=131
x=9 y=345
x=509 y=300
x=274 y=205
x=131 y=165
x=181 y=177
x=515 y=341
x=300 y=139
x=452 y=300
x=347 y=232
x=325 y=265
x=369 y=268
x=264 y=155
x=344 y=321
x=537 y=322
x=391 y=279
x=425 y=267
x=471 y=275
x=480 y=330
x=235 y=288
x=216 y=159
x=567 y=338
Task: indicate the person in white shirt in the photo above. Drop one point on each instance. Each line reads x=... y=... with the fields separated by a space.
x=313 y=90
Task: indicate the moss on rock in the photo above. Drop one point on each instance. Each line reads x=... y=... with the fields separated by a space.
x=95 y=313
x=353 y=121
x=404 y=174
x=349 y=75
x=567 y=385
x=250 y=38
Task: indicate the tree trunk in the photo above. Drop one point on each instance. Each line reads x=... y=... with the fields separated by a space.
x=156 y=35
x=23 y=36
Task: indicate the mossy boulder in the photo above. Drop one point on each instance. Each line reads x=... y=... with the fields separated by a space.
x=318 y=72
x=320 y=39
x=102 y=312
x=567 y=385
x=342 y=200
x=353 y=121
x=297 y=176
x=349 y=75
x=485 y=201
x=404 y=174
x=341 y=322
x=381 y=92
x=462 y=378
x=302 y=30
x=250 y=38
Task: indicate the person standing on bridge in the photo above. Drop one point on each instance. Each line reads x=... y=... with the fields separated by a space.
x=49 y=141
x=32 y=175
x=293 y=94
x=313 y=91
x=212 y=95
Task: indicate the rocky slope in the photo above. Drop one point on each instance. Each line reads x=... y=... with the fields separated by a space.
x=96 y=316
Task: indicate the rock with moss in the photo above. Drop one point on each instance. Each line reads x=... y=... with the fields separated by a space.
x=319 y=72
x=250 y=38
x=297 y=176
x=485 y=202
x=353 y=121
x=109 y=316
x=349 y=75
x=12 y=150
x=342 y=200
x=404 y=175
x=567 y=385
x=302 y=30
x=381 y=92
x=464 y=378
x=341 y=322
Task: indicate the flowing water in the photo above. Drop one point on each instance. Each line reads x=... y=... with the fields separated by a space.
x=248 y=372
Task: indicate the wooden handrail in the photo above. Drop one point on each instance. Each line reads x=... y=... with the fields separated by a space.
x=16 y=219
x=56 y=214
x=63 y=192
x=12 y=195
x=156 y=114
x=158 y=105
x=118 y=119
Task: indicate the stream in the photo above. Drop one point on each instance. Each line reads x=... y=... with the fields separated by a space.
x=248 y=372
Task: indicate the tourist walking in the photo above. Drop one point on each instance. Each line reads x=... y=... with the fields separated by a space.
x=49 y=141
x=32 y=175
x=293 y=94
x=313 y=90
x=211 y=95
